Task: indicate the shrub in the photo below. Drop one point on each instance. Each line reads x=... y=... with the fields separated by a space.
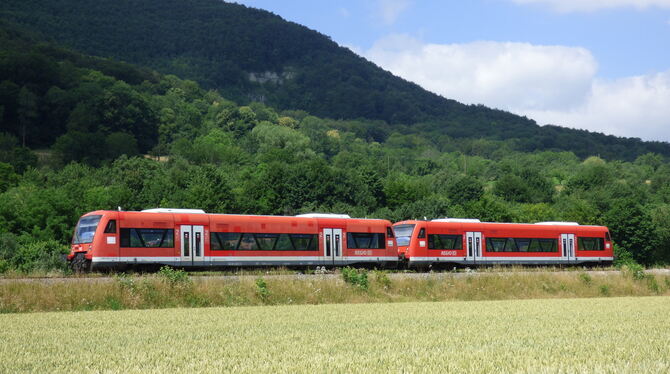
x=585 y=278
x=356 y=277
x=174 y=277
x=126 y=282
x=652 y=284
x=4 y=266
x=604 y=290
x=262 y=289
x=382 y=279
x=8 y=246
x=43 y=255
x=633 y=269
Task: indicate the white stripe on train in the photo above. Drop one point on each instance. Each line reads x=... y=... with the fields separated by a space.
x=506 y=259
x=224 y=259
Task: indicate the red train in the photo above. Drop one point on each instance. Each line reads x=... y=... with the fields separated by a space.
x=471 y=242
x=192 y=238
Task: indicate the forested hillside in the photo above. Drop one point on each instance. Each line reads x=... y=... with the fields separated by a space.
x=223 y=157
x=251 y=55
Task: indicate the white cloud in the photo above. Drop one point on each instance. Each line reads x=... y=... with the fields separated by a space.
x=390 y=10
x=344 y=12
x=635 y=106
x=593 y=5
x=551 y=84
x=503 y=75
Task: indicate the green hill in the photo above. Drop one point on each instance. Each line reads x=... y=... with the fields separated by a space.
x=96 y=116
x=254 y=55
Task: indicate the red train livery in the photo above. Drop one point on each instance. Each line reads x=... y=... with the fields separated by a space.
x=471 y=242
x=192 y=238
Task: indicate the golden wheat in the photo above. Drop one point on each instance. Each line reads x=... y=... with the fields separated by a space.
x=617 y=335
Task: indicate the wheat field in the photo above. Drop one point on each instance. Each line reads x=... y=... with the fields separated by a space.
x=602 y=335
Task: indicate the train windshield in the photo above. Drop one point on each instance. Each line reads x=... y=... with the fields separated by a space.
x=403 y=233
x=85 y=230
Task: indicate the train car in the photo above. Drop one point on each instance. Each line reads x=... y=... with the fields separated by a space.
x=471 y=242
x=192 y=238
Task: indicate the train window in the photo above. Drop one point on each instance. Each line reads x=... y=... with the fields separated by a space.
x=403 y=233
x=284 y=243
x=147 y=238
x=422 y=234
x=228 y=241
x=364 y=240
x=590 y=244
x=548 y=245
x=607 y=236
x=248 y=243
x=224 y=241
x=85 y=230
x=521 y=245
x=439 y=241
x=266 y=241
x=111 y=227
x=389 y=232
x=304 y=242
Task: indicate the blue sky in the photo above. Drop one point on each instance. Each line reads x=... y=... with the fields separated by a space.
x=602 y=65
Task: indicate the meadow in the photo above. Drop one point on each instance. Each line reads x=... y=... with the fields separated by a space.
x=174 y=289
x=608 y=335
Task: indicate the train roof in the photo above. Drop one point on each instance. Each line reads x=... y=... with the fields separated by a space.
x=178 y=211
x=476 y=222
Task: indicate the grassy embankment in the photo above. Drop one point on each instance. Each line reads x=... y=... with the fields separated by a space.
x=603 y=335
x=170 y=288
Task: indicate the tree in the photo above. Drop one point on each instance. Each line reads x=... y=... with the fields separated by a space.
x=120 y=143
x=512 y=188
x=631 y=227
x=7 y=176
x=464 y=189
x=27 y=111
x=401 y=189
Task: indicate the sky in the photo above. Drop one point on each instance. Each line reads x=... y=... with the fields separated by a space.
x=600 y=65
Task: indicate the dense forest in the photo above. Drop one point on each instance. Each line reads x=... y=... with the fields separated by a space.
x=250 y=55
x=112 y=135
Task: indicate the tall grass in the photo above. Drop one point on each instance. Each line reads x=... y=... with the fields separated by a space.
x=170 y=288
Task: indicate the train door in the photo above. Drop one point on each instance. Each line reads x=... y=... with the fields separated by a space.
x=192 y=244
x=474 y=246
x=568 y=247
x=332 y=243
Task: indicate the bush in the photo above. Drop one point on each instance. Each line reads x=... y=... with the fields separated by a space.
x=356 y=277
x=126 y=282
x=46 y=255
x=174 y=277
x=383 y=279
x=633 y=269
x=652 y=284
x=262 y=289
x=622 y=256
x=585 y=278
x=8 y=247
x=605 y=290
x=4 y=266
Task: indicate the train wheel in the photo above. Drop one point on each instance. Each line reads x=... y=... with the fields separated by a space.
x=80 y=264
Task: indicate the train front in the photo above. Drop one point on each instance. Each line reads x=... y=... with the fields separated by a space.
x=86 y=240
x=404 y=232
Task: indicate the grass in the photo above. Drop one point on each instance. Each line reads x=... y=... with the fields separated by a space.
x=170 y=289
x=608 y=335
